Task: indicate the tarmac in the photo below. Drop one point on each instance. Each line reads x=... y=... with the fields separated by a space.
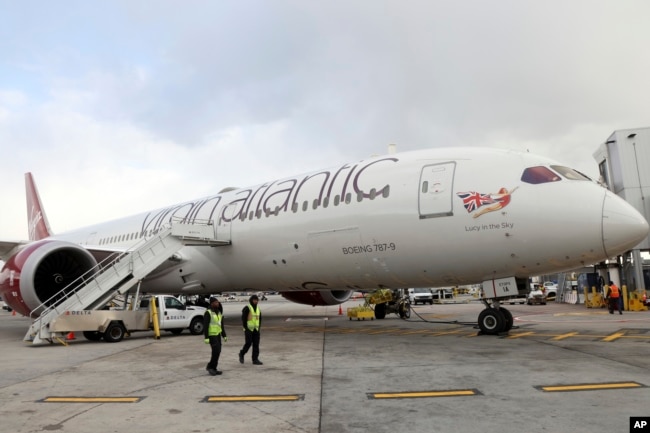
x=563 y=368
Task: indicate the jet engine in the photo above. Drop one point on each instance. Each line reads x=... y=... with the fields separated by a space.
x=318 y=297
x=39 y=271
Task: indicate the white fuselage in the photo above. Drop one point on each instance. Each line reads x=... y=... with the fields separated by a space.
x=393 y=221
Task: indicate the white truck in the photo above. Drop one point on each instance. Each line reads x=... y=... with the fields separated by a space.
x=113 y=325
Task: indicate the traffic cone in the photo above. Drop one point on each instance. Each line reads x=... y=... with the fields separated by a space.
x=70 y=336
x=340 y=311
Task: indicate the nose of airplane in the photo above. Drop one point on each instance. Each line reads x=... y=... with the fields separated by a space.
x=623 y=226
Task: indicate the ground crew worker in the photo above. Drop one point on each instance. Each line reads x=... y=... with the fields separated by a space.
x=251 y=318
x=213 y=330
x=614 y=295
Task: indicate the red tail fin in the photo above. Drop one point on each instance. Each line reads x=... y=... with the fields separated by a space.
x=39 y=227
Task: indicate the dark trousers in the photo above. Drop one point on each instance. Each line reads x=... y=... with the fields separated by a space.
x=614 y=304
x=252 y=338
x=215 y=344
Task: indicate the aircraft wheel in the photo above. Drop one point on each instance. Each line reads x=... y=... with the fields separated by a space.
x=491 y=321
x=380 y=311
x=114 y=332
x=509 y=319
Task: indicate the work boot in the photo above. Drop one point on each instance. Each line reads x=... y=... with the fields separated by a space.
x=241 y=358
x=213 y=372
x=258 y=362
x=217 y=372
x=620 y=312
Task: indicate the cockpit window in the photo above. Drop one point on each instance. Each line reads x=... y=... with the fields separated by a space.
x=569 y=173
x=539 y=174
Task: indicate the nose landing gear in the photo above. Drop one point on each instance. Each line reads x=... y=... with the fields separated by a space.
x=494 y=319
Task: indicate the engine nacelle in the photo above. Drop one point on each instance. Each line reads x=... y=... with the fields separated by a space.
x=41 y=270
x=318 y=297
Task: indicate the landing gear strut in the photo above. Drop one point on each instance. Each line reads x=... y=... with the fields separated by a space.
x=494 y=319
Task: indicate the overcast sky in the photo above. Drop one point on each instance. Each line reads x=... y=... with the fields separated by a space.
x=117 y=107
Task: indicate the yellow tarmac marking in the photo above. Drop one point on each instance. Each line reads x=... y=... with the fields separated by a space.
x=424 y=394
x=92 y=399
x=590 y=386
x=381 y=331
x=248 y=398
x=521 y=334
x=614 y=336
x=563 y=336
x=419 y=331
x=437 y=333
x=461 y=332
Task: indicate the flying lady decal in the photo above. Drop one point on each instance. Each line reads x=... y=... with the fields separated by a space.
x=483 y=203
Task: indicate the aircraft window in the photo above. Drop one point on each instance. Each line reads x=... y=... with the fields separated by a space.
x=315 y=205
x=386 y=192
x=539 y=174
x=277 y=210
x=348 y=198
x=258 y=214
x=304 y=205
x=337 y=200
x=359 y=196
x=425 y=187
x=373 y=194
x=326 y=201
x=569 y=173
x=294 y=207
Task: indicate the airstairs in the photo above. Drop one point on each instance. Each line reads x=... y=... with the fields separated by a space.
x=116 y=275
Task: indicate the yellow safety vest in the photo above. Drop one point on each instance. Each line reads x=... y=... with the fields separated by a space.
x=253 y=323
x=215 y=324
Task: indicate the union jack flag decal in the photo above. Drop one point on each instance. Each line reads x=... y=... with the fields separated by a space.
x=473 y=200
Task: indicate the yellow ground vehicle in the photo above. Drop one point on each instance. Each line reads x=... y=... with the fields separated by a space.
x=388 y=301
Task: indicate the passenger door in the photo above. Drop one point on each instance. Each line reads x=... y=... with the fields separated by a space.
x=436 y=189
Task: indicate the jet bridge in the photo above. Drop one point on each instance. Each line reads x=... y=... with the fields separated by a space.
x=94 y=289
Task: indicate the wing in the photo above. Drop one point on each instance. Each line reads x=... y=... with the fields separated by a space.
x=8 y=249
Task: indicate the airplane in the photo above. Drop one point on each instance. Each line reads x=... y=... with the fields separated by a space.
x=424 y=218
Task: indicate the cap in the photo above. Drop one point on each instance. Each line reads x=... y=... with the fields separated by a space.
x=213 y=298
x=254 y=297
